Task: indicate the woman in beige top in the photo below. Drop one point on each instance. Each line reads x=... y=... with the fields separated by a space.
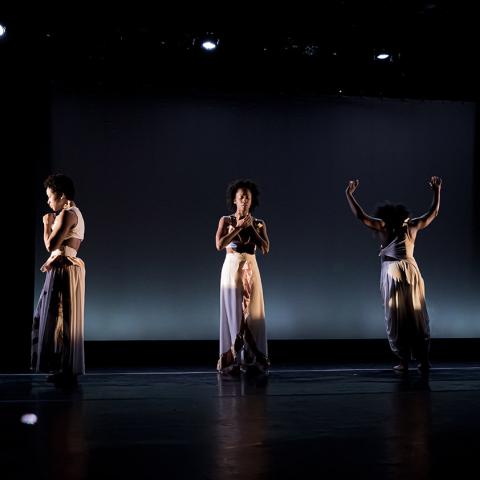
x=58 y=324
x=243 y=339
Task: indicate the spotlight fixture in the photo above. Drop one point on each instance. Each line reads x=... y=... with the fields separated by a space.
x=385 y=55
x=208 y=42
x=311 y=49
x=292 y=45
x=209 y=45
x=3 y=30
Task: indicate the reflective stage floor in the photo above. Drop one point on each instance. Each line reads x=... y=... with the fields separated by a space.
x=326 y=421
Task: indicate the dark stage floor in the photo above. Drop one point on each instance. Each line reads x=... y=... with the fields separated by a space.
x=354 y=421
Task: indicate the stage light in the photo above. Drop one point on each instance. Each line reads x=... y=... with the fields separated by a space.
x=386 y=55
x=311 y=49
x=383 y=56
x=3 y=30
x=208 y=42
x=292 y=45
x=209 y=45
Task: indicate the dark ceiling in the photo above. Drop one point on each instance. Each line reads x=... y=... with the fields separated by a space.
x=324 y=47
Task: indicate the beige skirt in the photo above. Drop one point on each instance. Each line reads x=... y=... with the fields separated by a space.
x=406 y=316
x=243 y=341
x=58 y=323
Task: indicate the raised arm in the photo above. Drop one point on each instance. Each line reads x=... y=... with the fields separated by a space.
x=370 y=222
x=426 y=219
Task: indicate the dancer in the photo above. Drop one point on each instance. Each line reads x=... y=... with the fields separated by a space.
x=57 y=333
x=401 y=283
x=243 y=341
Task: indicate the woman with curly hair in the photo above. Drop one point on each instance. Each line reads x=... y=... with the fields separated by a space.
x=401 y=283
x=243 y=341
x=57 y=334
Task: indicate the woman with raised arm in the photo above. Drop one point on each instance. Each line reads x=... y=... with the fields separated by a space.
x=401 y=283
x=57 y=333
x=243 y=341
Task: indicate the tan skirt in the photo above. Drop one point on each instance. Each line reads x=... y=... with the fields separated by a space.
x=58 y=323
x=243 y=341
x=406 y=316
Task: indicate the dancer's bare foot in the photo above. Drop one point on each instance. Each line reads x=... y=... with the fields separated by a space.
x=401 y=367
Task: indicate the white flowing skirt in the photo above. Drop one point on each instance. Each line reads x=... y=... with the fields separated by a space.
x=243 y=340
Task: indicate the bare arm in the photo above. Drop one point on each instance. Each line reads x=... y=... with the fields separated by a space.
x=48 y=220
x=260 y=236
x=53 y=236
x=426 y=219
x=370 y=222
x=223 y=237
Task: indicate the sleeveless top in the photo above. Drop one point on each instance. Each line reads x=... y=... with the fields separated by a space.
x=401 y=247
x=234 y=244
x=78 y=231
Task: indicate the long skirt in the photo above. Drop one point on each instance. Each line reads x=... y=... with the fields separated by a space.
x=243 y=341
x=406 y=317
x=57 y=332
